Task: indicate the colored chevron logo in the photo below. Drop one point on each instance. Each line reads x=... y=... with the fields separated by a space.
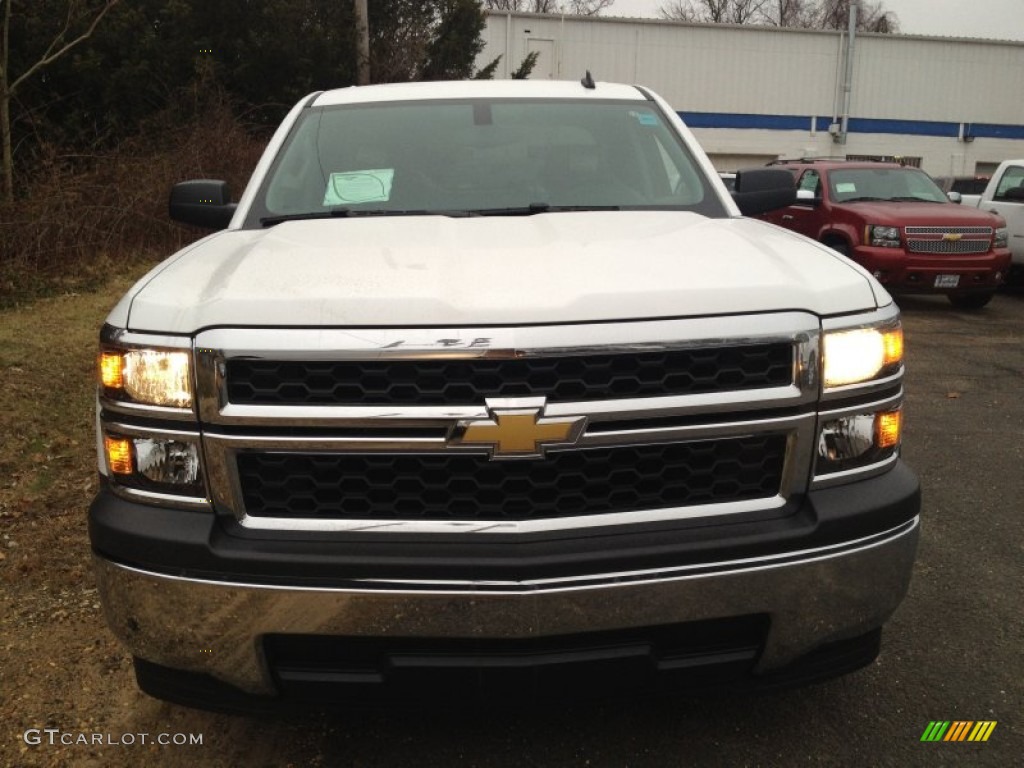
x=958 y=730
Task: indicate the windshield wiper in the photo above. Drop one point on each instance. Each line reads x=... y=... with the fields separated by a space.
x=532 y=208
x=864 y=200
x=270 y=221
x=912 y=199
x=344 y=213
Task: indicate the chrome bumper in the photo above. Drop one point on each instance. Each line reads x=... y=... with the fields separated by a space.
x=813 y=597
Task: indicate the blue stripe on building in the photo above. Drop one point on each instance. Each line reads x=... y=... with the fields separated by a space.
x=855 y=125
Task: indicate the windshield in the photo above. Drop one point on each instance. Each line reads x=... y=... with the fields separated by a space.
x=849 y=185
x=487 y=157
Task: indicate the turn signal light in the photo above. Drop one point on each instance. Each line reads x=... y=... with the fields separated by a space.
x=893 y=343
x=887 y=429
x=112 y=370
x=119 y=455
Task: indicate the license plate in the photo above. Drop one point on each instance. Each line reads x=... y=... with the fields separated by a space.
x=947 y=281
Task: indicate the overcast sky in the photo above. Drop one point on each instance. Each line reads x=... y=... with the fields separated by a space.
x=996 y=19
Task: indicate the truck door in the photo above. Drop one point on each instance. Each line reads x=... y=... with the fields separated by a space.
x=803 y=215
x=1008 y=202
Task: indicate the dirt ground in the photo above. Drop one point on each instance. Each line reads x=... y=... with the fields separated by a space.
x=60 y=668
x=951 y=652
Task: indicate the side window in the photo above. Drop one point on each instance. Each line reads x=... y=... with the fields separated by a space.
x=809 y=185
x=1012 y=179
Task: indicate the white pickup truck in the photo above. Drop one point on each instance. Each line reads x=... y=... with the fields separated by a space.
x=1004 y=196
x=489 y=388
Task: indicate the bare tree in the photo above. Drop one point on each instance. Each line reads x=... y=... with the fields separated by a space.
x=812 y=14
x=79 y=14
x=586 y=7
x=679 y=10
x=789 y=13
x=575 y=7
x=871 y=16
x=362 y=42
x=714 y=11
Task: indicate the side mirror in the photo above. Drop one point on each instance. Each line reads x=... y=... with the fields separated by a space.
x=202 y=203
x=759 y=190
x=807 y=196
x=954 y=197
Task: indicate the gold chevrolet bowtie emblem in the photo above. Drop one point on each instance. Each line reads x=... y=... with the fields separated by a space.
x=519 y=433
x=951 y=237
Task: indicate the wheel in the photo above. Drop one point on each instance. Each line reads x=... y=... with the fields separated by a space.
x=970 y=300
x=1015 y=277
x=839 y=246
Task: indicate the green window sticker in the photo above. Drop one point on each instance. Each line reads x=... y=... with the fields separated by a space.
x=355 y=187
x=845 y=186
x=644 y=118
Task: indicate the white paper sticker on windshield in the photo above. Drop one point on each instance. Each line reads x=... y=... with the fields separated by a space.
x=846 y=186
x=355 y=187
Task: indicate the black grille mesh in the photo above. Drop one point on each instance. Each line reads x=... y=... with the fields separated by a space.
x=445 y=382
x=471 y=487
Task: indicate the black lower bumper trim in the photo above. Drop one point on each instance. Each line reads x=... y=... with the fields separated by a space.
x=445 y=675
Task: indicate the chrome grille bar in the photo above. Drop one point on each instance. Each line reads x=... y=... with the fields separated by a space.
x=231 y=430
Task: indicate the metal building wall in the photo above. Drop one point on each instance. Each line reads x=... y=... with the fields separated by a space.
x=695 y=67
x=756 y=92
x=941 y=79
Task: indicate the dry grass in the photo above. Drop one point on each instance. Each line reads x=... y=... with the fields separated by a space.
x=55 y=652
x=47 y=459
x=83 y=219
x=81 y=234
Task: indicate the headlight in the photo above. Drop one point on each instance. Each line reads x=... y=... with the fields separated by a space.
x=861 y=354
x=883 y=236
x=149 y=376
x=1001 y=237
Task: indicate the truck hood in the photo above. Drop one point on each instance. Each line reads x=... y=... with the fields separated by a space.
x=926 y=215
x=462 y=272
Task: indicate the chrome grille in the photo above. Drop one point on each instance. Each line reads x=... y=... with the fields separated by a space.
x=986 y=231
x=946 y=247
x=932 y=240
x=685 y=418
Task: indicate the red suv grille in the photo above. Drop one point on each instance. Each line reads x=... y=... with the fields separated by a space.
x=949 y=240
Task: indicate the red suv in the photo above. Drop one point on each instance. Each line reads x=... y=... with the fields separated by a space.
x=896 y=223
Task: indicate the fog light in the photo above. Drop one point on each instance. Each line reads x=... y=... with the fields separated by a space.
x=167 y=462
x=160 y=465
x=858 y=441
x=847 y=438
x=119 y=455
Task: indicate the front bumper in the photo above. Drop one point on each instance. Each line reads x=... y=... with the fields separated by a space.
x=907 y=272
x=812 y=597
